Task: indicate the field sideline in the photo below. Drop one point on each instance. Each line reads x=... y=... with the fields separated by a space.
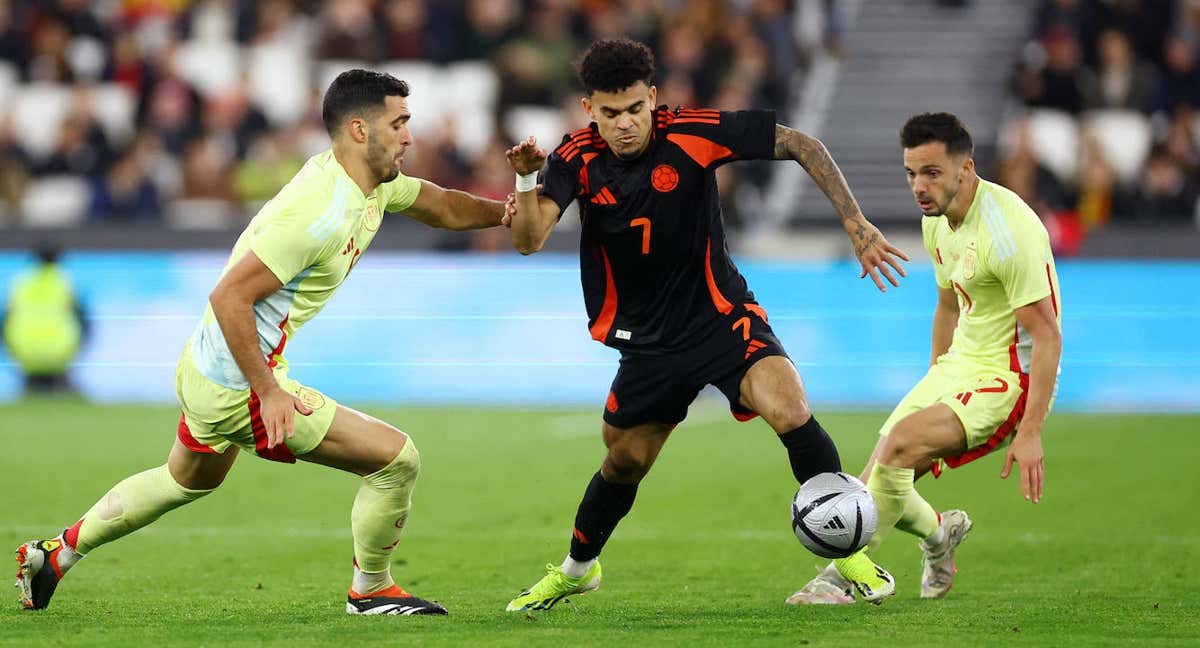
x=705 y=558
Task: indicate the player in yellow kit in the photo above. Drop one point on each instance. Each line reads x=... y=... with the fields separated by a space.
x=232 y=379
x=995 y=358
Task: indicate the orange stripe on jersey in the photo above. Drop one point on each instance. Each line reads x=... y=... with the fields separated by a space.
x=757 y=310
x=608 y=312
x=704 y=151
x=698 y=111
x=696 y=120
x=718 y=299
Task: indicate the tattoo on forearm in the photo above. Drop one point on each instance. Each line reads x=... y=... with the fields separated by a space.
x=791 y=144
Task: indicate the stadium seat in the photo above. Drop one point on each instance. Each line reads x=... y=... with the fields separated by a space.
x=212 y=67
x=543 y=122
x=1125 y=137
x=279 y=80
x=55 y=201
x=1055 y=138
x=328 y=69
x=476 y=86
x=114 y=107
x=10 y=78
x=428 y=97
x=38 y=111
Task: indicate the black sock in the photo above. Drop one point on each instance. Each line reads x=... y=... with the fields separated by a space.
x=603 y=506
x=810 y=450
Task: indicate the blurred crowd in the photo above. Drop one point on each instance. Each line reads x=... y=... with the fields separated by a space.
x=1108 y=128
x=197 y=111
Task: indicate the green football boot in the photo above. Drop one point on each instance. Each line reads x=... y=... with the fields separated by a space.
x=554 y=587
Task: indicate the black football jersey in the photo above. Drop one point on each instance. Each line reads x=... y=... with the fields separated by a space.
x=655 y=268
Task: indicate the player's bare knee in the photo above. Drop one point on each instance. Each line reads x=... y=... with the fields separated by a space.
x=398 y=448
x=903 y=448
x=625 y=467
x=790 y=416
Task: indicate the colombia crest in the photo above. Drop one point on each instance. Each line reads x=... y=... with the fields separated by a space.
x=664 y=178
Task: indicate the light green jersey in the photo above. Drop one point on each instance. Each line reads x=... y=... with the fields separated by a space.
x=310 y=236
x=997 y=261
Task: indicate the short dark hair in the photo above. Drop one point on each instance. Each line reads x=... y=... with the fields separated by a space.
x=937 y=127
x=613 y=65
x=355 y=91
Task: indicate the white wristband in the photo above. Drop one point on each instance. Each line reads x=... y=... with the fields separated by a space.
x=527 y=182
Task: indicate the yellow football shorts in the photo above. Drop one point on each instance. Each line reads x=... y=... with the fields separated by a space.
x=989 y=402
x=215 y=417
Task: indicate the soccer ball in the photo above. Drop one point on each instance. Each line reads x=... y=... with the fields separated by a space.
x=833 y=515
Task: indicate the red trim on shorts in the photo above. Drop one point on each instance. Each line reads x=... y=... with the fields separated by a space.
x=1006 y=428
x=189 y=441
x=281 y=452
x=742 y=417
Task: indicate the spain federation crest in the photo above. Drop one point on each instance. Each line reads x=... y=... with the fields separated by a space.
x=371 y=216
x=969 y=262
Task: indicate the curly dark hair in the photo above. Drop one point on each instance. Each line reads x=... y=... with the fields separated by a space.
x=613 y=65
x=356 y=92
x=937 y=127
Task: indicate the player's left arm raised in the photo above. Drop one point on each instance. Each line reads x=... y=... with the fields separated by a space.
x=872 y=249
x=453 y=209
x=1040 y=320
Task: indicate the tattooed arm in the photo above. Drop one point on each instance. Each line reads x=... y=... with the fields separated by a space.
x=872 y=249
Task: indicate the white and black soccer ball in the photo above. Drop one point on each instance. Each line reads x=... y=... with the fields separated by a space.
x=834 y=515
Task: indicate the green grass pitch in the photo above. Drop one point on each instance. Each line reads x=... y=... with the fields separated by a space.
x=707 y=556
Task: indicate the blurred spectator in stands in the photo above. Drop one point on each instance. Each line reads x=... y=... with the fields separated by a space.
x=1057 y=83
x=126 y=66
x=1075 y=16
x=535 y=66
x=1120 y=80
x=14 y=43
x=1098 y=191
x=404 y=24
x=44 y=324
x=169 y=108
x=232 y=121
x=81 y=149
x=1181 y=76
x=14 y=173
x=1146 y=22
x=1166 y=194
x=490 y=24
x=1019 y=170
x=49 y=61
x=272 y=160
x=772 y=31
x=207 y=171
x=348 y=31
x=128 y=190
x=1183 y=139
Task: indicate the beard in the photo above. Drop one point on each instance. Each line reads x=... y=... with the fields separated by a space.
x=381 y=164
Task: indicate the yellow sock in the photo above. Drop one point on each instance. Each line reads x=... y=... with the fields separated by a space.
x=381 y=509
x=890 y=487
x=918 y=518
x=132 y=504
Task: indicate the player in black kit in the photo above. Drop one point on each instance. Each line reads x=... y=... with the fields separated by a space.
x=660 y=285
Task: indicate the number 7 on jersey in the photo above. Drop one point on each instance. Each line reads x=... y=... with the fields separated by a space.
x=644 y=223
